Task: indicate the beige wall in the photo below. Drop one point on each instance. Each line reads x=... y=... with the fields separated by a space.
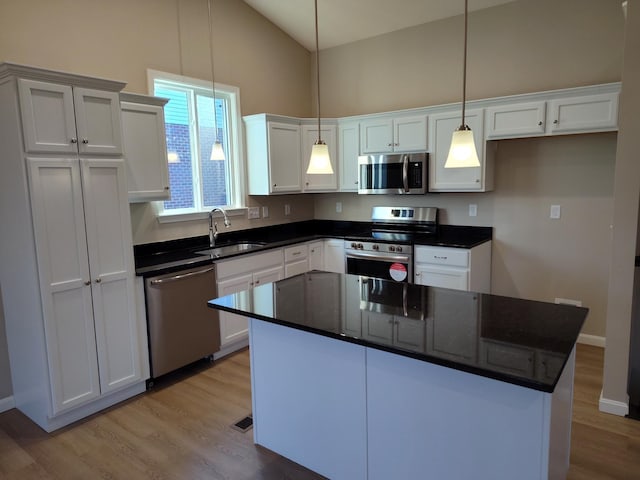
x=625 y=219
x=533 y=256
x=519 y=47
x=5 y=373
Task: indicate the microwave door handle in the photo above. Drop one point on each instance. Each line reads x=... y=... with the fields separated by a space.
x=405 y=172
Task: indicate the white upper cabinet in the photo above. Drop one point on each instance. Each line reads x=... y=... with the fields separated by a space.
x=564 y=114
x=348 y=152
x=145 y=147
x=583 y=114
x=393 y=134
x=321 y=182
x=63 y=119
x=441 y=128
x=273 y=154
x=516 y=120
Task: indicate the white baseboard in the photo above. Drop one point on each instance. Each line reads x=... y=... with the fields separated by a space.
x=594 y=340
x=7 y=403
x=230 y=348
x=613 y=407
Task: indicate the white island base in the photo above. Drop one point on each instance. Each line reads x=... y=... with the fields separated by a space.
x=352 y=412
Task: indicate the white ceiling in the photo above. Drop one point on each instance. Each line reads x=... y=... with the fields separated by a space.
x=345 y=21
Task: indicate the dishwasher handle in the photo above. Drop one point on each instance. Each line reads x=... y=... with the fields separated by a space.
x=181 y=276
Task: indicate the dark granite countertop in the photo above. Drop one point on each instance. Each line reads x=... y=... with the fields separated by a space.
x=522 y=342
x=173 y=255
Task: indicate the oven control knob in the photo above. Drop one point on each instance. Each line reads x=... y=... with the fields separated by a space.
x=376 y=247
x=392 y=248
x=360 y=246
x=354 y=245
x=398 y=249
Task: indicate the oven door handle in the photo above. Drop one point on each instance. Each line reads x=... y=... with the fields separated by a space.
x=405 y=172
x=375 y=256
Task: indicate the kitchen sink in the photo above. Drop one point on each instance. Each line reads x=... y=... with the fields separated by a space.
x=230 y=249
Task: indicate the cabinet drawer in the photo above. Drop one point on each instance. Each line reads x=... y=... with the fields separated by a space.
x=297 y=252
x=454 y=257
x=248 y=263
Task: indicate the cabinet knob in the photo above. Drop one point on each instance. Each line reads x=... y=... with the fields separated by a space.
x=88 y=282
x=477 y=180
x=396 y=144
x=356 y=182
x=166 y=188
x=555 y=122
x=257 y=282
x=389 y=144
x=540 y=123
x=306 y=183
x=85 y=141
x=275 y=184
x=417 y=274
x=98 y=280
x=74 y=140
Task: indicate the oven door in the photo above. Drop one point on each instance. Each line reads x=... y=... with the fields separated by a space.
x=380 y=265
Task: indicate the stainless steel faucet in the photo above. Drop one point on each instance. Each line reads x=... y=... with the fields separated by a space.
x=213 y=226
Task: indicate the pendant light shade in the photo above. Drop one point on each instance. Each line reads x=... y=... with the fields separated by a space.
x=217 y=152
x=320 y=161
x=462 y=153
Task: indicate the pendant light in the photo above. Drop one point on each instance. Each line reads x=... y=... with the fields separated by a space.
x=463 y=152
x=217 y=153
x=319 y=163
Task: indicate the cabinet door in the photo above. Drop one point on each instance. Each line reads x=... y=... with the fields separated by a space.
x=284 y=157
x=452 y=325
x=316 y=256
x=98 y=121
x=376 y=136
x=334 y=255
x=233 y=327
x=516 y=120
x=351 y=318
x=145 y=149
x=584 y=114
x=441 y=127
x=110 y=248
x=319 y=182
x=409 y=333
x=265 y=297
x=410 y=134
x=48 y=119
x=348 y=152
x=377 y=327
x=61 y=247
x=445 y=277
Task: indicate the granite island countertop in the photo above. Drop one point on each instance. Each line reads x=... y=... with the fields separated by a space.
x=522 y=342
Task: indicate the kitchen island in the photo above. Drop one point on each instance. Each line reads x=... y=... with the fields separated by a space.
x=355 y=378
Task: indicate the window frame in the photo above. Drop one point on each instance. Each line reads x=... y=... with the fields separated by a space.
x=235 y=155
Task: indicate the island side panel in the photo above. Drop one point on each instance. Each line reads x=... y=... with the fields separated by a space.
x=426 y=418
x=309 y=399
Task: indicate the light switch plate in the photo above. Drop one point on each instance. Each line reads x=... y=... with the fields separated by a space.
x=287 y=209
x=338 y=207
x=554 y=212
x=265 y=212
x=473 y=210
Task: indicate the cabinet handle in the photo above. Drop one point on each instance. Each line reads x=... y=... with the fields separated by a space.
x=296 y=253
x=356 y=182
x=555 y=122
x=257 y=282
x=417 y=274
x=88 y=282
x=74 y=140
x=85 y=141
x=540 y=123
x=166 y=188
x=98 y=280
x=439 y=258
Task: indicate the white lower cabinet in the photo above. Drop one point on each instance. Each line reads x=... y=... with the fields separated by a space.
x=296 y=260
x=239 y=275
x=334 y=255
x=456 y=268
x=316 y=255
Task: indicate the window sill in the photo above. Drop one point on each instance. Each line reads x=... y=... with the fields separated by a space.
x=188 y=217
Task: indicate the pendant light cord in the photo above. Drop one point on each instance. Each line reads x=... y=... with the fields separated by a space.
x=464 y=65
x=213 y=81
x=318 y=71
x=179 y=36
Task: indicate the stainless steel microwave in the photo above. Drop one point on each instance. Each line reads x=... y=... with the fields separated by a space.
x=399 y=173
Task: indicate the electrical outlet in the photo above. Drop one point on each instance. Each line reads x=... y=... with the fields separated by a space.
x=253 y=212
x=554 y=212
x=568 y=301
x=287 y=209
x=473 y=210
x=265 y=212
x=338 y=207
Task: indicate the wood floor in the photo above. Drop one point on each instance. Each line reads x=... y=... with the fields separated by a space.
x=182 y=430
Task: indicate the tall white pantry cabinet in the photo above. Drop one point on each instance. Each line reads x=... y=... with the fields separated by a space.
x=77 y=341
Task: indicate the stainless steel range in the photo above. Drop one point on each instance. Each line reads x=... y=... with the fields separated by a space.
x=388 y=253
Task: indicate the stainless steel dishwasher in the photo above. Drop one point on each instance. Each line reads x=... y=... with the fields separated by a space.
x=182 y=328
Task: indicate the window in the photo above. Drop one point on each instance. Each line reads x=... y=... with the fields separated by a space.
x=198 y=183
